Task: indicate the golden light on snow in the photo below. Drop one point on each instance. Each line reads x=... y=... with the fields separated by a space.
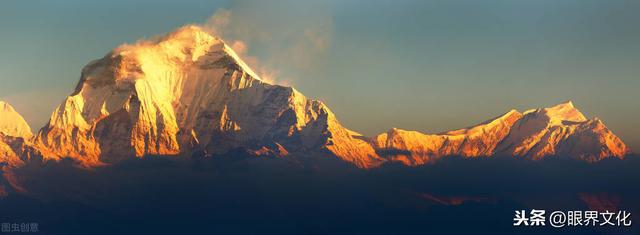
x=190 y=90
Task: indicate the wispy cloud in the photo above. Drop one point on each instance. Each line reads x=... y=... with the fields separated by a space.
x=279 y=48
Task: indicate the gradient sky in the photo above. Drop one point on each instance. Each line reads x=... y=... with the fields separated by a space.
x=420 y=65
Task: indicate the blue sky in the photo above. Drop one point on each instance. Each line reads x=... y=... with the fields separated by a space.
x=422 y=65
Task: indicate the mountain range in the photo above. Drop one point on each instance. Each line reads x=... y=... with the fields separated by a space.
x=188 y=93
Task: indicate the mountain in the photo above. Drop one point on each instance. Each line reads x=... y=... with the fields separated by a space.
x=415 y=148
x=8 y=155
x=561 y=130
x=188 y=92
x=14 y=131
x=12 y=123
x=14 y=134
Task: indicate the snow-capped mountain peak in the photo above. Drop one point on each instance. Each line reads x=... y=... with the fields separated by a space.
x=561 y=130
x=183 y=92
x=564 y=112
x=12 y=123
x=14 y=132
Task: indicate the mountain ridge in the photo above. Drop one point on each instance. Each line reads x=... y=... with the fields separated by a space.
x=189 y=93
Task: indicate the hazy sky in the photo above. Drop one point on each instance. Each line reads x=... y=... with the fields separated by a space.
x=422 y=65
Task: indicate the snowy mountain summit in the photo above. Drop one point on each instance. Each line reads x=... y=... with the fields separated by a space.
x=561 y=131
x=184 y=92
x=11 y=123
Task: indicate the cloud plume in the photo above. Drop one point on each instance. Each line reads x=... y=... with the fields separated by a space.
x=279 y=45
